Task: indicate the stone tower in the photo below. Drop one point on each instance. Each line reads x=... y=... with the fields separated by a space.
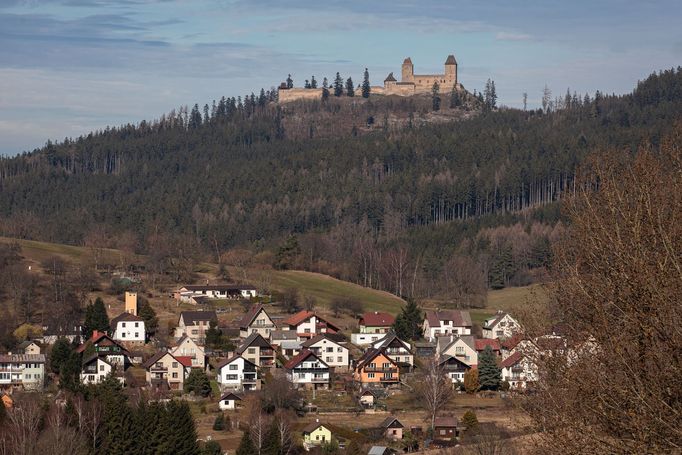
x=450 y=71
x=408 y=71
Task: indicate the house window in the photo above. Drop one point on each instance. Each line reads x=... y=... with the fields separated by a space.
x=195 y=332
x=339 y=349
x=339 y=359
x=442 y=432
x=370 y=375
x=329 y=359
x=233 y=367
x=306 y=331
x=137 y=334
x=175 y=364
x=372 y=365
x=252 y=350
x=231 y=377
x=386 y=365
x=123 y=334
x=175 y=375
x=101 y=368
x=123 y=324
x=330 y=349
x=137 y=324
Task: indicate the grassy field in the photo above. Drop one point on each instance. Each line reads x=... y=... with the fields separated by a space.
x=39 y=251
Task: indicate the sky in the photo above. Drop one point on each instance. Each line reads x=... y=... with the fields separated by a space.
x=68 y=67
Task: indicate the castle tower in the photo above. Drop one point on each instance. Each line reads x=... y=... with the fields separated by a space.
x=408 y=71
x=450 y=71
x=131 y=303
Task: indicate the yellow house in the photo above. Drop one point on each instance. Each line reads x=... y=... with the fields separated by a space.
x=315 y=434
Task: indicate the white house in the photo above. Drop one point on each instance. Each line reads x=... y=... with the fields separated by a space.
x=187 y=347
x=96 y=369
x=256 y=320
x=447 y=322
x=190 y=293
x=454 y=368
x=194 y=324
x=308 y=370
x=72 y=331
x=502 y=325
x=128 y=328
x=462 y=347
x=307 y=324
x=237 y=373
x=22 y=370
x=396 y=349
x=229 y=401
x=518 y=370
x=328 y=348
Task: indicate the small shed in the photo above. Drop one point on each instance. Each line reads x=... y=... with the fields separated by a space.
x=445 y=428
x=392 y=428
x=367 y=398
x=229 y=401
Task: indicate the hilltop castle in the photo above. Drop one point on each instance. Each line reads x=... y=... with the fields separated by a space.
x=410 y=83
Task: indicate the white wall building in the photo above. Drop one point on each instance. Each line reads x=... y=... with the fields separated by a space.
x=128 y=328
x=438 y=323
x=237 y=373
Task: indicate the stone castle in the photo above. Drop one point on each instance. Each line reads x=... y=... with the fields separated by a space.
x=410 y=83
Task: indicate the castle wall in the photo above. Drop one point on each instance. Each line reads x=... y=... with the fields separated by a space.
x=292 y=94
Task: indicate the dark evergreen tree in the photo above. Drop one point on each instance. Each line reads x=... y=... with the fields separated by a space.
x=307 y=84
x=455 y=99
x=287 y=253
x=489 y=374
x=366 y=88
x=197 y=382
x=338 y=85
x=246 y=446
x=180 y=434
x=211 y=448
x=408 y=324
x=219 y=423
x=195 y=117
x=96 y=318
x=325 y=89
x=271 y=443
x=214 y=335
x=59 y=355
x=69 y=372
x=350 y=89
x=313 y=82
x=435 y=96
x=146 y=312
x=290 y=82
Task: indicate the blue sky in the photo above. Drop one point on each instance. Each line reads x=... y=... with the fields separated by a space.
x=71 y=66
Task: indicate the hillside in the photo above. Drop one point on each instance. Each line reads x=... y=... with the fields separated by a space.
x=399 y=205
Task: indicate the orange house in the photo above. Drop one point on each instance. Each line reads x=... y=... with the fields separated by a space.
x=376 y=367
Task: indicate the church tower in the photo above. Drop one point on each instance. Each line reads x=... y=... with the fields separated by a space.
x=408 y=71
x=450 y=71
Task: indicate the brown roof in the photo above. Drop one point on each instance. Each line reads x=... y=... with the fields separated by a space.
x=407 y=60
x=219 y=287
x=22 y=358
x=451 y=60
x=230 y=396
x=303 y=355
x=125 y=316
x=369 y=355
x=511 y=360
x=322 y=336
x=376 y=319
x=190 y=317
x=155 y=358
x=313 y=426
x=250 y=315
x=459 y=318
x=511 y=343
x=390 y=78
x=388 y=423
x=448 y=422
x=232 y=359
x=255 y=339
x=483 y=342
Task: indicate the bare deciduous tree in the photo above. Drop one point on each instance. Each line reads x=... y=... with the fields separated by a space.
x=433 y=388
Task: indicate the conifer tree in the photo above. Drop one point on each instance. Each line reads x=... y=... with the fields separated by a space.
x=338 y=85
x=435 y=96
x=178 y=429
x=96 y=318
x=211 y=448
x=455 y=100
x=350 y=89
x=365 y=84
x=489 y=374
x=219 y=423
x=290 y=82
x=197 y=382
x=69 y=372
x=471 y=384
x=469 y=419
x=246 y=446
x=313 y=82
x=146 y=312
x=307 y=84
x=408 y=324
x=325 y=89
x=120 y=431
x=272 y=444
x=61 y=350
x=213 y=335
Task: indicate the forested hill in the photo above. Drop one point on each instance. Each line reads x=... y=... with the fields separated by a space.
x=250 y=173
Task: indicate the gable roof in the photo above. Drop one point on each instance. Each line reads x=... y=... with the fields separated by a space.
x=301 y=357
x=255 y=339
x=230 y=396
x=232 y=359
x=250 y=315
x=312 y=426
x=447 y=358
x=191 y=317
x=445 y=422
x=94 y=357
x=407 y=60
x=511 y=343
x=186 y=361
x=155 y=358
x=124 y=317
x=389 y=423
x=390 y=338
x=459 y=318
x=219 y=287
x=27 y=343
x=63 y=329
x=371 y=354
x=377 y=319
x=469 y=340
x=320 y=337
x=511 y=360
x=450 y=60
x=390 y=78
x=492 y=322
x=282 y=335
x=99 y=337
x=296 y=319
x=481 y=344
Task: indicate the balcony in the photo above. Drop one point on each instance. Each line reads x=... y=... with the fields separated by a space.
x=382 y=379
x=158 y=370
x=320 y=380
x=380 y=370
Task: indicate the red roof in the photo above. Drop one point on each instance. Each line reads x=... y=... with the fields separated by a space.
x=185 y=360
x=296 y=319
x=304 y=354
x=510 y=343
x=377 y=319
x=481 y=344
x=512 y=360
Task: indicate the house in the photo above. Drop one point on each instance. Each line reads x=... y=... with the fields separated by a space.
x=502 y=326
x=107 y=348
x=375 y=367
x=381 y=450
x=229 y=401
x=445 y=428
x=518 y=370
x=508 y=345
x=129 y=329
x=454 y=367
x=425 y=349
x=25 y=371
x=187 y=347
x=392 y=428
x=29 y=347
x=446 y=322
x=328 y=349
x=194 y=324
x=188 y=293
x=72 y=331
x=95 y=369
x=237 y=373
x=315 y=434
x=308 y=370
x=463 y=347
x=398 y=350
x=164 y=370
x=375 y=322
x=494 y=344
x=307 y=324
x=256 y=320
x=257 y=350
x=367 y=398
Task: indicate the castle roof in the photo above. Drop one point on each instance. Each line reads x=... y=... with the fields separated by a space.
x=451 y=60
x=407 y=60
x=390 y=78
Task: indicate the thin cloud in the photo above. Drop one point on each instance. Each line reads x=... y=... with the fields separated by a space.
x=511 y=36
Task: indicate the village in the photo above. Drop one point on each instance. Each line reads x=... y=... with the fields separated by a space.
x=364 y=386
